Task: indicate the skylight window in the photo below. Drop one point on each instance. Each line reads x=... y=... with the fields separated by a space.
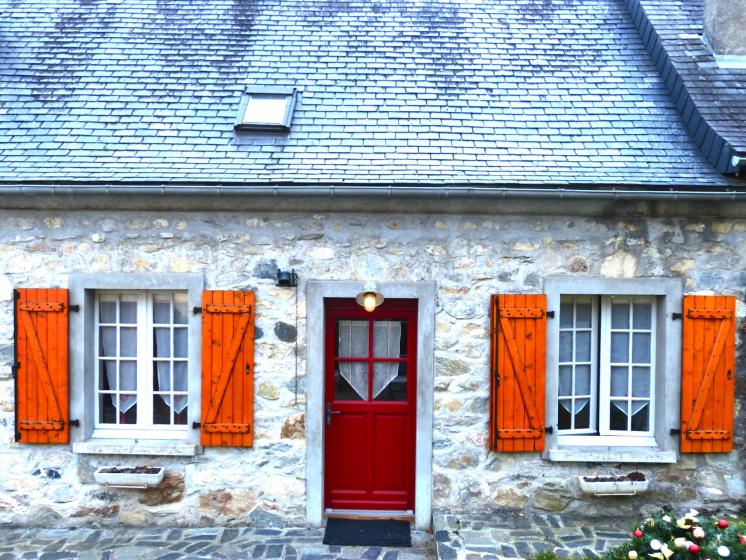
x=266 y=109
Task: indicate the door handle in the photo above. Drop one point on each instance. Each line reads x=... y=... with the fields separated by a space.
x=329 y=413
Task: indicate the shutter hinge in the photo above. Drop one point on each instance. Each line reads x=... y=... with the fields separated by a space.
x=196 y=425
x=550 y=314
x=17 y=294
x=74 y=308
x=75 y=423
x=549 y=430
x=197 y=310
x=675 y=431
x=14 y=369
x=497 y=378
x=18 y=436
x=677 y=316
x=248 y=368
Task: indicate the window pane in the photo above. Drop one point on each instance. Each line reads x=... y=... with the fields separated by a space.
x=128 y=310
x=641 y=315
x=180 y=376
x=640 y=416
x=181 y=314
x=641 y=348
x=162 y=342
x=583 y=380
x=640 y=382
x=161 y=409
x=619 y=316
x=343 y=387
x=352 y=339
x=566 y=314
x=107 y=311
x=162 y=381
x=107 y=341
x=162 y=309
x=618 y=415
x=266 y=109
x=582 y=414
x=565 y=347
x=127 y=375
x=564 y=418
x=107 y=413
x=583 y=347
x=387 y=339
x=565 y=381
x=128 y=342
x=128 y=409
x=180 y=410
x=619 y=348
x=180 y=343
x=390 y=382
x=583 y=315
x=107 y=375
x=619 y=382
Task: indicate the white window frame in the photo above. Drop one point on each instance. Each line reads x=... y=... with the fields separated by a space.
x=658 y=447
x=144 y=388
x=84 y=437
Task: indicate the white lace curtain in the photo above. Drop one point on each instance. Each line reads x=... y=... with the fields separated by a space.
x=353 y=343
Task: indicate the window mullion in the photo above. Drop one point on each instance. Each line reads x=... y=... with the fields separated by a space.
x=144 y=361
x=604 y=401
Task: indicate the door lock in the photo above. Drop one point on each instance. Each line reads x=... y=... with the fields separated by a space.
x=329 y=413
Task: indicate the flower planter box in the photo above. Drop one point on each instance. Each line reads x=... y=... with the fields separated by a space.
x=612 y=487
x=129 y=477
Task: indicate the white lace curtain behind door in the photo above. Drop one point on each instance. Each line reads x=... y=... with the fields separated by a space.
x=353 y=343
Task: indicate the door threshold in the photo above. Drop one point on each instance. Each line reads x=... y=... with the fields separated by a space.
x=406 y=515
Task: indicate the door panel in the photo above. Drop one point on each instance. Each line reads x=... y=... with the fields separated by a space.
x=370 y=393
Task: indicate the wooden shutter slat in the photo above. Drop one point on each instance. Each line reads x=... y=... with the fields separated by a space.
x=227 y=368
x=707 y=377
x=518 y=343
x=42 y=382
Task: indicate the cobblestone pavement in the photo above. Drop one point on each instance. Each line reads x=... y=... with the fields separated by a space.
x=509 y=535
x=193 y=544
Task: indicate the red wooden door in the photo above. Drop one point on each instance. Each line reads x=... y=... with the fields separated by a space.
x=370 y=409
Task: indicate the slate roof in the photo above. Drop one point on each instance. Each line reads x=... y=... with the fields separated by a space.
x=711 y=100
x=392 y=91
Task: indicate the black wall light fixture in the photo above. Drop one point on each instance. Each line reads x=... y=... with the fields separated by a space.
x=287 y=279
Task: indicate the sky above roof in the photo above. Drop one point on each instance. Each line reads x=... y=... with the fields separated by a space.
x=503 y=92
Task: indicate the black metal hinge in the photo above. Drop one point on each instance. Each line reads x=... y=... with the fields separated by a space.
x=196 y=425
x=197 y=310
x=549 y=430
x=550 y=314
x=75 y=423
x=675 y=431
x=18 y=436
x=74 y=308
x=677 y=316
x=14 y=370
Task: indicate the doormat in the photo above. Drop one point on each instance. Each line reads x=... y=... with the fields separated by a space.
x=367 y=532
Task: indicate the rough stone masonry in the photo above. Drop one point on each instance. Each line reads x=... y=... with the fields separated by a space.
x=468 y=258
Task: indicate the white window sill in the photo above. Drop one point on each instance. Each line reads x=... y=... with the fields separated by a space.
x=137 y=447
x=599 y=454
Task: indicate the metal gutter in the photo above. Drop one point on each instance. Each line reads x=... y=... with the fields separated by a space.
x=377 y=191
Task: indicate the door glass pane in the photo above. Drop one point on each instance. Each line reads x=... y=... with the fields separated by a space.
x=582 y=414
x=618 y=415
x=640 y=382
x=641 y=315
x=565 y=381
x=641 y=348
x=583 y=346
x=390 y=381
x=619 y=348
x=389 y=339
x=352 y=339
x=618 y=381
x=582 y=380
x=619 y=316
x=351 y=381
x=565 y=347
x=583 y=315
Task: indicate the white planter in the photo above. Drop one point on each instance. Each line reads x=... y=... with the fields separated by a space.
x=618 y=488
x=129 y=480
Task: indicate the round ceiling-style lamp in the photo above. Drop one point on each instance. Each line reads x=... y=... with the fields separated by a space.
x=369 y=297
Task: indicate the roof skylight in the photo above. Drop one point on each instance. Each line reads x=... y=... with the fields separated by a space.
x=266 y=109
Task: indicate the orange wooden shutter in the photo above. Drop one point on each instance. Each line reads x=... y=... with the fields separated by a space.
x=227 y=368
x=708 y=373
x=41 y=369
x=518 y=372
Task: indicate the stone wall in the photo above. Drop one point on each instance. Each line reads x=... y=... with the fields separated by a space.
x=468 y=258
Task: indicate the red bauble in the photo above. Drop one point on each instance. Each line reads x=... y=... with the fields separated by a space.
x=694 y=548
x=723 y=524
x=638 y=534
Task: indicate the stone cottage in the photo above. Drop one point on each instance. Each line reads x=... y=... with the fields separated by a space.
x=388 y=257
